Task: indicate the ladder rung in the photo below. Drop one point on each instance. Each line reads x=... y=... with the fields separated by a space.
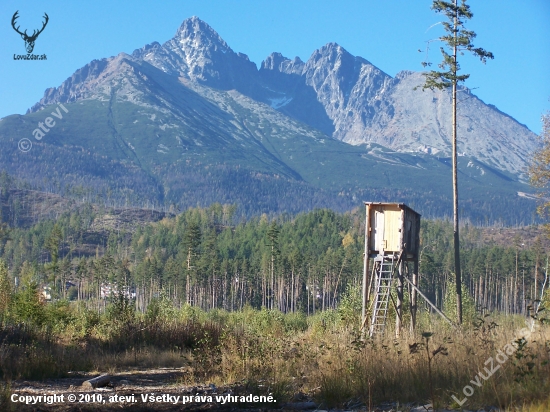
x=383 y=282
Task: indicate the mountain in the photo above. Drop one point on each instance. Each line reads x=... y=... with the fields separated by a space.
x=192 y=122
x=362 y=105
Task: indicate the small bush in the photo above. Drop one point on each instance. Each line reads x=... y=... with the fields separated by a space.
x=27 y=306
x=160 y=309
x=350 y=306
x=121 y=310
x=469 y=314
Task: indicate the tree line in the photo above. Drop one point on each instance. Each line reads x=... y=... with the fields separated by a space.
x=210 y=258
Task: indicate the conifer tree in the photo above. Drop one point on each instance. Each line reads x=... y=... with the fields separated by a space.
x=456 y=40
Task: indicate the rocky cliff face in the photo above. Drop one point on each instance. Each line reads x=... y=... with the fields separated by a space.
x=349 y=89
x=341 y=95
x=419 y=121
x=362 y=105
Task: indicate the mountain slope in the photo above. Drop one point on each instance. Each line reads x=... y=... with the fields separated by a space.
x=365 y=105
x=191 y=121
x=343 y=96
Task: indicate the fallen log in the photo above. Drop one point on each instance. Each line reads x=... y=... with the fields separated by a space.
x=97 y=382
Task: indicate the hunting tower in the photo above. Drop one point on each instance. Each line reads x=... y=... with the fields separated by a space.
x=392 y=241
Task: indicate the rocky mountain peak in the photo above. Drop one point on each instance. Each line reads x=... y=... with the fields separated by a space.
x=342 y=95
x=195 y=33
x=333 y=47
x=197 y=52
x=403 y=74
x=280 y=63
x=331 y=52
x=335 y=56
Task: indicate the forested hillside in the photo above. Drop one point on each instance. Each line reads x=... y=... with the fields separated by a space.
x=210 y=258
x=271 y=302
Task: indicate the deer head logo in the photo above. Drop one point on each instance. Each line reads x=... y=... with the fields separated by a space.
x=29 y=40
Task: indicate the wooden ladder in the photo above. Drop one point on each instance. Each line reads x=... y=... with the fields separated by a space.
x=384 y=268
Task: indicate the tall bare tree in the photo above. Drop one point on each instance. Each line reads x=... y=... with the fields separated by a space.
x=539 y=174
x=273 y=236
x=456 y=40
x=539 y=169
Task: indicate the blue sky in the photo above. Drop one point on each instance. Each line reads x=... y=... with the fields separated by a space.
x=388 y=33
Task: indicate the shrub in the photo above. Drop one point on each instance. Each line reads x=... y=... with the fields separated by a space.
x=59 y=315
x=27 y=306
x=159 y=309
x=121 y=310
x=469 y=314
x=350 y=306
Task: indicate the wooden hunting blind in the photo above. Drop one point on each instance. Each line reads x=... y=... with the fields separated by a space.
x=392 y=228
x=392 y=240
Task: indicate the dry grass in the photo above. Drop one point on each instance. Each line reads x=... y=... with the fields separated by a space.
x=285 y=354
x=341 y=370
x=540 y=406
x=399 y=370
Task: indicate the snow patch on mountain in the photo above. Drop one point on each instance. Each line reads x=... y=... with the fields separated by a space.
x=277 y=103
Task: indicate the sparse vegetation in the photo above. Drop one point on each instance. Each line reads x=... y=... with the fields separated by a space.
x=272 y=305
x=322 y=355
